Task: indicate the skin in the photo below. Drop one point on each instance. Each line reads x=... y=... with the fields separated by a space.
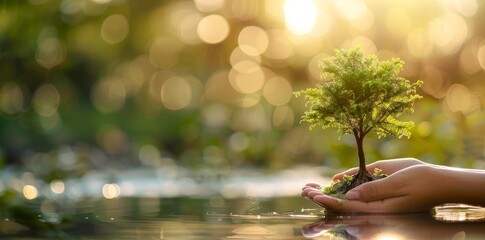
x=395 y=226
x=412 y=186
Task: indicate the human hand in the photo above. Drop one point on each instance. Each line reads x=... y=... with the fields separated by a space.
x=387 y=166
x=410 y=186
x=395 y=226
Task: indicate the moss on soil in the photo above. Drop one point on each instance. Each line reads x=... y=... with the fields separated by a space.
x=339 y=187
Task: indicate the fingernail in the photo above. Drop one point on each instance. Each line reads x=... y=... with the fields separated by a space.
x=352 y=195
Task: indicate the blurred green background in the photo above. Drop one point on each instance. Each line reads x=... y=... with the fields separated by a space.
x=118 y=84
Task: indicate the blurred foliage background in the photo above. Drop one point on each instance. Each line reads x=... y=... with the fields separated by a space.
x=117 y=84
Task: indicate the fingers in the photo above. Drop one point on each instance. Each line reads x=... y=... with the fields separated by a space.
x=376 y=190
x=309 y=187
x=351 y=171
x=313 y=185
x=338 y=205
x=393 y=204
x=387 y=166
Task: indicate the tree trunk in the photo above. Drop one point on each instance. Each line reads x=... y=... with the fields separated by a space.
x=363 y=175
x=359 y=138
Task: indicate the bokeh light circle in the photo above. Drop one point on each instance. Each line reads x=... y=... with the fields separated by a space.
x=213 y=29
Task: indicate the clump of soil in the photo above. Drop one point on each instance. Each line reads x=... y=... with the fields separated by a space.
x=338 y=188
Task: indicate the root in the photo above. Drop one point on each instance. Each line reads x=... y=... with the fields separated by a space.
x=340 y=188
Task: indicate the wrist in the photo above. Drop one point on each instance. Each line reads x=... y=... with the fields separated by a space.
x=464 y=186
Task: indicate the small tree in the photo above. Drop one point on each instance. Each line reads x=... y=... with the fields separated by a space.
x=357 y=95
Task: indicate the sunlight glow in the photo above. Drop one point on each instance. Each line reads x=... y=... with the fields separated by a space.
x=115 y=29
x=419 y=43
x=460 y=99
x=176 y=93
x=50 y=52
x=213 y=29
x=448 y=33
x=253 y=40
x=111 y=191
x=57 y=186
x=352 y=9
x=388 y=236
x=30 y=192
x=300 y=16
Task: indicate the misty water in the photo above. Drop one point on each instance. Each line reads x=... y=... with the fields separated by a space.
x=250 y=205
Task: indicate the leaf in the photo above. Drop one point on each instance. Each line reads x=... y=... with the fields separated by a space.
x=360 y=93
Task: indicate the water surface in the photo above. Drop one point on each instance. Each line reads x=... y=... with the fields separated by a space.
x=219 y=218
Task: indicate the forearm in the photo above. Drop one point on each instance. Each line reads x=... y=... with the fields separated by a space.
x=464 y=185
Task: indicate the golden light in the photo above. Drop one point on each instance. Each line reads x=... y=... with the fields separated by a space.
x=279 y=46
x=312 y=67
x=176 y=93
x=466 y=7
x=219 y=89
x=448 y=32
x=253 y=40
x=188 y=28
x=115 y=29
x=367 y=45
x=324 y=20
x=208 y=5
x=245 y=10
x=481 y=56
x=398 y=22
x=352 y=9
x=165 y=52
x=469 y=61
x=213 y=29
x=237 y=56
x=364 y=21
x=57 y=186
x=246 y=66
x=460 y=99
x=434 y=83
x=111 y=191
x=424 y=129
x=300 y=16
x=277 y=91
x=274 y=9
x=30 y=192
x=50 y=52
x=248 y=81
x=250 y=100
x=388 y=236
x=283 y=117
x=419 y=43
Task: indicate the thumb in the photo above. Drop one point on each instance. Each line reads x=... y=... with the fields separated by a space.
x=371 y=191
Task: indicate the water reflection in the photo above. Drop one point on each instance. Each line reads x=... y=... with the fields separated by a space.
x=243 y=218
x=402 y=226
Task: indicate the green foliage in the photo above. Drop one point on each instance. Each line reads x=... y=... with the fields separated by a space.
x=359 y=94
x=335 y=187
x=378 y=174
